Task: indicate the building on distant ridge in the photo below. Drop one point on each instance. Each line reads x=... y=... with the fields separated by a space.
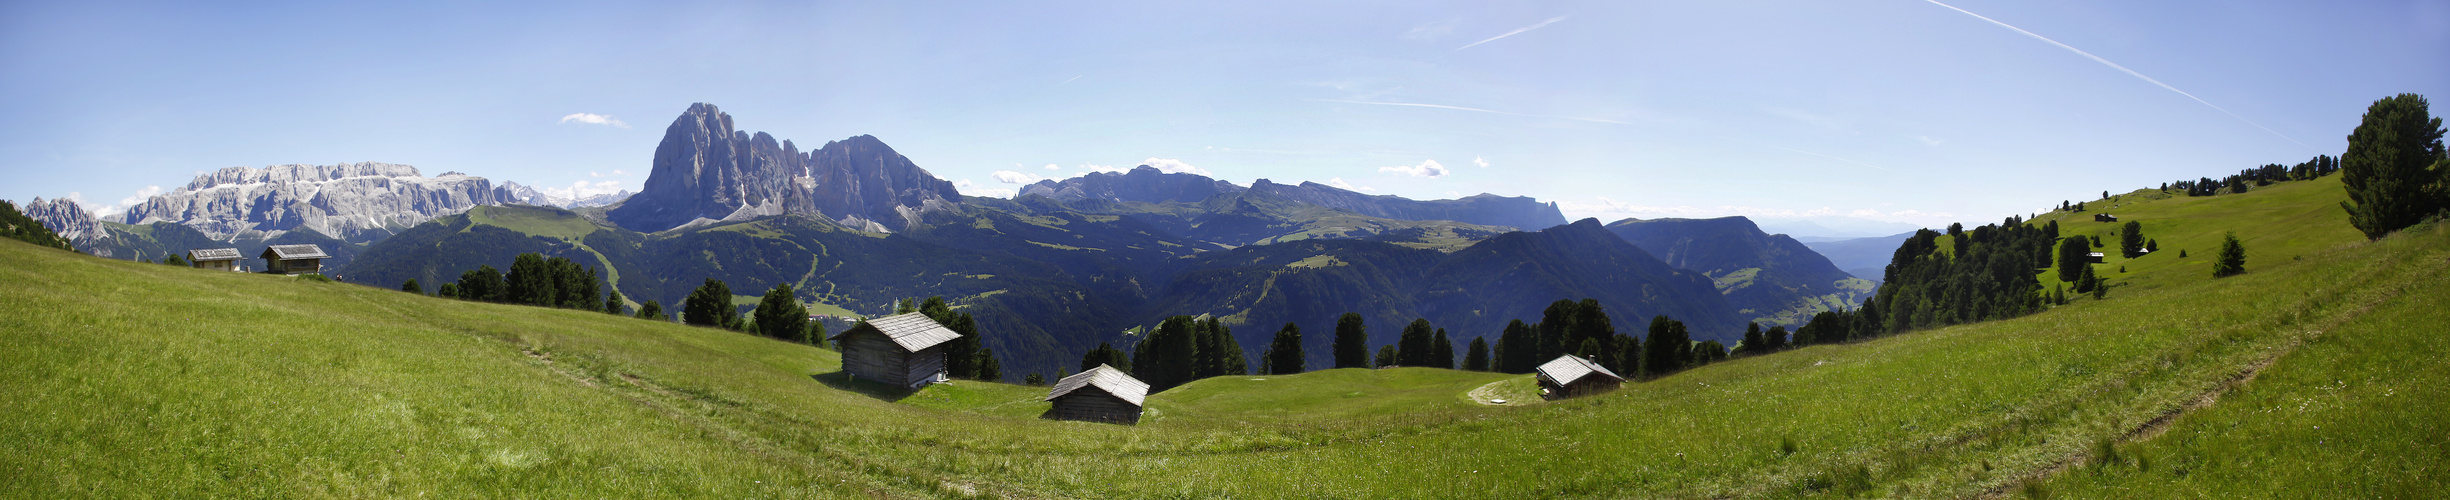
x=2104 y=217
x=218 y=259
x=2096 y=257
x=1571 y=376
x=905 y=350
x=1102 y=394
x=294 y=259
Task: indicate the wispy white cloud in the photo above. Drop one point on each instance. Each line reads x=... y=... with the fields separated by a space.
x=1049 y=166
x=1339 y=183
x=1517 y=31
x=1432 y=30
x=1427 y=168
x=1482 y=162
x=968 y=188
x=1173 y=166
x=583 y=189
x=1477 y=110
x=114 y=209
x=1927 y=140
x=593 y=119
x=1012 y=177
x=1074 y=77
x=2122 y=69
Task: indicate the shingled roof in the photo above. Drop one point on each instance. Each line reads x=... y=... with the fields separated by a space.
x=208 y=254
x=1104 y=378
x=287 y=252
x=912 y=331
x=1569 y=368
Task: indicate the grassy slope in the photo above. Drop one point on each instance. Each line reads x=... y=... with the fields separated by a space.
x=129 y=379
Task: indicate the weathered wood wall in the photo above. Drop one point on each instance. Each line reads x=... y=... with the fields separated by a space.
x=1092 y=404
x=868 y=355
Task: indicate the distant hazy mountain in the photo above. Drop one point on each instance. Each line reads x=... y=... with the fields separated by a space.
x=706 y=171
x=1831 y=228
x=72 y=222
x=1769 y=278
x=512 y=192
x=1866 y=258
x=1148 y=185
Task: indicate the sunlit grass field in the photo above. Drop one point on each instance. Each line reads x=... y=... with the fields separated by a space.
x=128 y=379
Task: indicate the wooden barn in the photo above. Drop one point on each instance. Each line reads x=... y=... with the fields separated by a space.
x=218 y=259
x=1571 y=376
x=294 y=259
x=906 y=350
x=1102 y=394
x=2096 y=257
x=2105 y=218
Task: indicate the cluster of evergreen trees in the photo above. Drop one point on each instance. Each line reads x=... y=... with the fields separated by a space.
x=1181 y=350
x=1983 y=274
x=533 y=280
x=1583 y=328
x=965 y=357
x=2265 y=175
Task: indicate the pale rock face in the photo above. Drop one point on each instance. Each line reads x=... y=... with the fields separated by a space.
x=72 y=222
x=354 y=202
x=707 y=171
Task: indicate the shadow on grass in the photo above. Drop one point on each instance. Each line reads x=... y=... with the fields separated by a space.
x=883 y=392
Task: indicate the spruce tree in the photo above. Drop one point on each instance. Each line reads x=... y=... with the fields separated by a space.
x=483 y=284
x=412 y=287
x=1442 y=351
x=531 y=281
x=779 y=315
x=1476 y=358
x=2073 y=256
x=1105 y=354
x=1167 y=357
x=1667 y=347
x=2232 y=259
x=1386 y=356
x=1412 y=349
x=2131 y=239
x=1284 y=356
x=710 y=305
x=2387 y=167
x=652 y=310
x=1352 y=348
x=613 y=303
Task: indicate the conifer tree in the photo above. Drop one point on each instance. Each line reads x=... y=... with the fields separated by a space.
x=1352 y=342
x=1284 y=356
x=652 y=310
x=1386 y=356
x=710 y=305
x=613 y=303
x=1412 y=349
x=779 y=315
x=2388 y=167
x=2232 y=259
x=1476 y=358
x=1442 y=351
x=412 y=287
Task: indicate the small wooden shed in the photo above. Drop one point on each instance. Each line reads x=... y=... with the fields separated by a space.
x=294 y=259
x=218 y=259
x=1102 y=394
x=2097 y=257
x=2104 y=218
x=1571 y=376
x=906 y=350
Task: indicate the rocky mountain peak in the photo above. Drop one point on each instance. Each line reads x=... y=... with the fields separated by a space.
x=351 y=201
x=70 y=221
x=706 y=170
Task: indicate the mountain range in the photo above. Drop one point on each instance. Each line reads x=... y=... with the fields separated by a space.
x=854 y=226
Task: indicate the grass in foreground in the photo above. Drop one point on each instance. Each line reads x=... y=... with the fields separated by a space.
x=130 y=380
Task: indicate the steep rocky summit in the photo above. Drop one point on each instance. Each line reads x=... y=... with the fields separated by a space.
x=69 y=221
x=356 y=202
x=707 y=170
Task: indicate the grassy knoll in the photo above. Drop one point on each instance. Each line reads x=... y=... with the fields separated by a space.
x=137 y=380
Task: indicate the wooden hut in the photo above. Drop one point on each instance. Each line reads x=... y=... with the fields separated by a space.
x=905 y=350
x=1102 y=394
x=218 y=259
x=2096 y=257
x=2105 y=218
x=294 y=259
x=1571 y=376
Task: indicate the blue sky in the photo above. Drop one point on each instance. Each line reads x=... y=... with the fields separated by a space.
x=1891 y=110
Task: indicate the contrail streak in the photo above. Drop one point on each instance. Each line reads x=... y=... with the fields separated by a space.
x=1542 y=24
x=1460 y=108
x=2129 y=72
